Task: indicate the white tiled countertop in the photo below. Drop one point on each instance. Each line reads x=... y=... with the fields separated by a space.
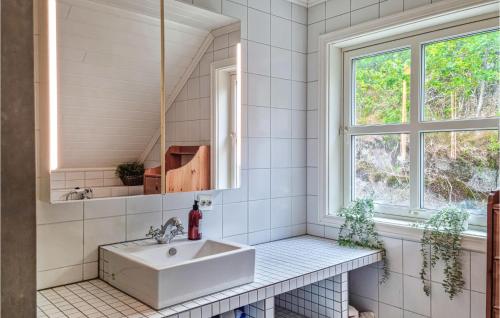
x=280 y=266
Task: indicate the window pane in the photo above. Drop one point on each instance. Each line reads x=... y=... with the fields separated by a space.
x=382 y=89
x=382 y=168
x=461 y=168
x=462 y=77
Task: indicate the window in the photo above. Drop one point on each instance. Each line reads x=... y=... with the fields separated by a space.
x=420 y=121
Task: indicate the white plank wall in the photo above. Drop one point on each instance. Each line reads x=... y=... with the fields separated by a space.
x=109 y=71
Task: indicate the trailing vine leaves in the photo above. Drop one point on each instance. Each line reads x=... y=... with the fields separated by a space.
x=358 y=230
x=441 y=241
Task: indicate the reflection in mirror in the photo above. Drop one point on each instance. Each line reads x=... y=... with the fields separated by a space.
x=203 y=103
x=108 y=99
x=226 y=112
x=105 y=117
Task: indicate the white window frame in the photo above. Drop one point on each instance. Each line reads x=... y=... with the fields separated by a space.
x=333 y=192
x=416 y=126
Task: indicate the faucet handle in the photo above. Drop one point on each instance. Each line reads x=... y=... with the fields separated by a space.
x=153 y=233
x=180 y=228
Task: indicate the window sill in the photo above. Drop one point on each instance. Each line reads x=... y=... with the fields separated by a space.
x=472 y=240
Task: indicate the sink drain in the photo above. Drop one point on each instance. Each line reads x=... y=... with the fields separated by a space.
x=172 y=251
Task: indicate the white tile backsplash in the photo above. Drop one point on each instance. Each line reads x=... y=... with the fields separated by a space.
x=259 y=184
x=478 y=272
x=391 y=291
x=281 y=93
x=59 y=245
x=394 y=248
x=235 y=219
x=281 y=123
x=261 y=84
x=104 y=208
x=259 y=215
x=299 y=210
x=259 y=150
x=338 y=22
x=281 y=8
x=244 y=215
x=281 y=152
x=263 y=5
x=299 y=95
x=365 y=14
x=337 y=7
x=299 y=13
x=415 y=299
x=281 y=185
x=442 y=306
x=281 y=63
x=412 y=258
x=52 y=213
x=211 y=223
x=478 y=304
x=138 y=224
x=281 y=212
x=259 y=121
x=102 y=231
x=281 y=32
x=59 y=276
x=259 y=237
x=146 y=203
x=316 y=13
x=259 y=26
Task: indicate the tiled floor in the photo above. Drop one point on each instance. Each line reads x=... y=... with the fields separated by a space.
x=280 y=267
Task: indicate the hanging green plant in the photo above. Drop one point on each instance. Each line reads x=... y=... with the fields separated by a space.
x=358 y=230
x=441 y=241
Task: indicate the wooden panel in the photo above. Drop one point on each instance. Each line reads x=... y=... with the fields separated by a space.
x=493 y=257
x=187 y=169
x=496 y=234
x=496 y=286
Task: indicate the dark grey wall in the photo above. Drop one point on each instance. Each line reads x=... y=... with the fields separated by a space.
x=18 y=178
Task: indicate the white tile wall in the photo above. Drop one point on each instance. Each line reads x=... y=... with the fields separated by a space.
x=246 y=214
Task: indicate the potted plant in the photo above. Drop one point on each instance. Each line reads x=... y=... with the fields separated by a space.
x=441 y=241
x=358 y=230
x=131 y=174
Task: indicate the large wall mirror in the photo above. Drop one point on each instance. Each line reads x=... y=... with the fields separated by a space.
x=109 y=136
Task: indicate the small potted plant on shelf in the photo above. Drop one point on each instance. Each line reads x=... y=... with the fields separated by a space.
x=358 y=230
x=441 y=241
x=131 y=174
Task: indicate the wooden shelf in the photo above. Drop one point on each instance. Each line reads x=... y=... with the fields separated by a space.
x=187 y=169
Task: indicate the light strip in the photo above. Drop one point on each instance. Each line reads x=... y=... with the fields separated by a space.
x=238 y=113
x=53 y=99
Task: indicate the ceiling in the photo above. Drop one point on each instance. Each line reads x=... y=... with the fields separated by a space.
x=109 y=73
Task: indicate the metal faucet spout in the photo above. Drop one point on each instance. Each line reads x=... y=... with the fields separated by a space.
x=167 y=232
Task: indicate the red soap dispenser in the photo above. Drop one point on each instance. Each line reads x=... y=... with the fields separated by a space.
x=194 y=223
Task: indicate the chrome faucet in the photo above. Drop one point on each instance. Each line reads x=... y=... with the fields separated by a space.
x=167 y=232
x=80 y=194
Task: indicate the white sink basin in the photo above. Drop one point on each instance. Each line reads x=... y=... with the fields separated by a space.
x=155 y=275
